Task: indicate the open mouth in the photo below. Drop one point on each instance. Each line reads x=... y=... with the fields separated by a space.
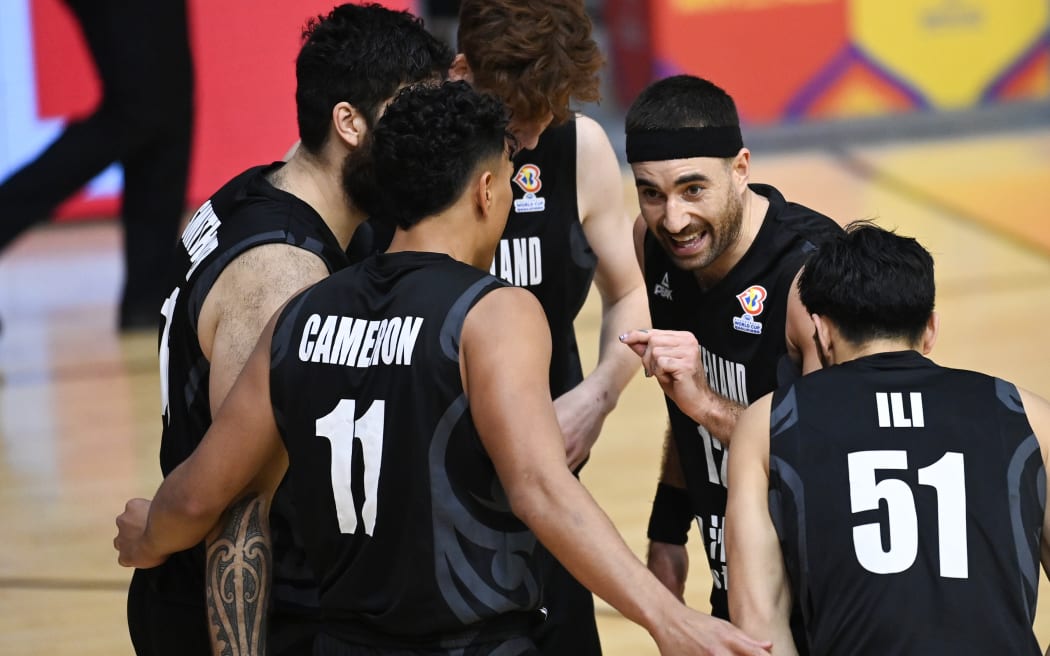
x=687 y=244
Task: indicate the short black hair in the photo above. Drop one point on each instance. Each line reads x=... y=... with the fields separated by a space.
x=422 y=152
x=871 y=283
x=681 y=101
x=360 y=54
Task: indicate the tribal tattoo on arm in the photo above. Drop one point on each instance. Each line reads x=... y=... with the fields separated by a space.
x=239 y=577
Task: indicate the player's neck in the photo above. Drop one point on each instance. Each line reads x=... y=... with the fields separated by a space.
x=454 y=232
x=845 y=351
x=317 y=181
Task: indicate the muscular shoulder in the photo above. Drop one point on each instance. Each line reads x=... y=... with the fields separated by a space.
x=590 y=137
x=1038 y=411
x=269 y=270
x=506 y=316
x=254 y=284
x=592 y=146
x=751 y=432
x=506 y=331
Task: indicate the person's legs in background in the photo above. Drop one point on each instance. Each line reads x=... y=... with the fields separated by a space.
x=156 y=171
x=142 y=54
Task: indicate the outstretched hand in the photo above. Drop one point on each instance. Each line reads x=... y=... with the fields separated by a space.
x=673 y=358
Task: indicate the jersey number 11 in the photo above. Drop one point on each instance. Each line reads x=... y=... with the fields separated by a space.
x=341 y=429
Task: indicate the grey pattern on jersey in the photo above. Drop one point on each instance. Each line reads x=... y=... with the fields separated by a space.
x=453 y=522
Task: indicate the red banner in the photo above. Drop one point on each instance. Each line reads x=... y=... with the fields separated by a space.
x=244 y=54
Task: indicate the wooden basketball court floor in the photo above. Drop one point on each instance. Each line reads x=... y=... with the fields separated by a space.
x=79 y=405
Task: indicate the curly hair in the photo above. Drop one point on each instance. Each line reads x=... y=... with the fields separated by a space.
x=360 y=54
x=536 y=56
x=871 y=283
x=422 y=152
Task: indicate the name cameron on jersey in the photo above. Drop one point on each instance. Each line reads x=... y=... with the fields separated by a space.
x=359 y=342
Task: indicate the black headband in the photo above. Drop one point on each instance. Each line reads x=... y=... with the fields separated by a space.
x=683 y=143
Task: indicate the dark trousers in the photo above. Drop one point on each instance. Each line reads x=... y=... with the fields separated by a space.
x=141 y=51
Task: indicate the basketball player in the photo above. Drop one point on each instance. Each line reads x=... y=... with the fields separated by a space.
x=567 y=228
x=416 y=462
x=904 y=502
x=720 y=256
x=266 y=234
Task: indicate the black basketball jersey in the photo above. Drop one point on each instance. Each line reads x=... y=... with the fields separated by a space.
x=246 y=212
x=401 y=511
x=740 y=323
x=543 y=248
x=908 y=499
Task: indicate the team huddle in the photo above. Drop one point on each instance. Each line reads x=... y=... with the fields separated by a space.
x=375 y=412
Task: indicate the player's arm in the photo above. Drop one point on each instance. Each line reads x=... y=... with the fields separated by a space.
x=226 y=486
x=760 y=596
x=243 y=299
x=241 y=454
x=1038 y=411
x=669 y=523
x=799 y=330
x=506 y=331
x=682 y=376
x=673 y=357
x=582 y=410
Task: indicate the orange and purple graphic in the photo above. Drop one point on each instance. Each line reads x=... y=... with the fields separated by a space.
x=833 y=59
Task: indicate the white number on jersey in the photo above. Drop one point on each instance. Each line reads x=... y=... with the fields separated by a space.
x=168 y=310
x=946 y=476
x=340 y=428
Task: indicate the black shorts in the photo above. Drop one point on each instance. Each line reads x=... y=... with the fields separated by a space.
x=570 y=628
x=161 y=627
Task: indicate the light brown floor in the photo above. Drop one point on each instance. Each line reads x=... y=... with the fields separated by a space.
x=79 y=407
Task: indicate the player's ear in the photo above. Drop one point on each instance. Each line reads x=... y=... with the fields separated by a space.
x=460 y=70
x=929 y=335
x=348 y=124
x=824 y=337
x=740 y=168
x=483 y=193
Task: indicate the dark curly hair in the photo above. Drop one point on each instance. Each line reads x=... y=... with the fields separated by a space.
x=422 y=152
x=872 y=283
x=360 y=54
x=681 y=101
x=536 y=56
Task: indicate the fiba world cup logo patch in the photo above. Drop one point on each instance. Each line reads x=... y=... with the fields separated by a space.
x=751 y=299
x=528 y=178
